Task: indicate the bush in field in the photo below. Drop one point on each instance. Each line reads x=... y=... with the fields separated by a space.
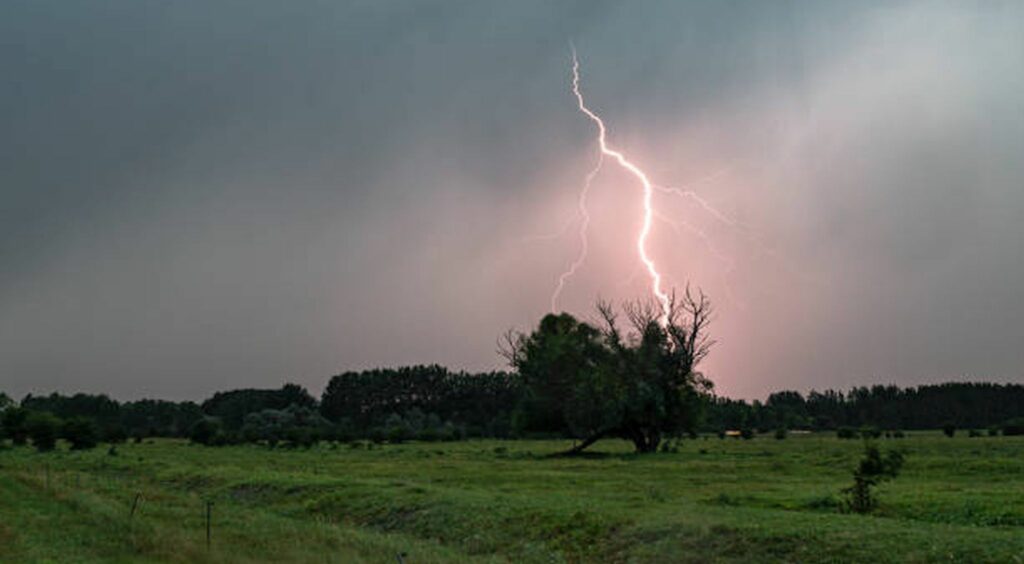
x=747 y=433
x=846 y=432
x=43 y=429
x=974 y=433
x=870 y=432
x=872 y=470
x=897 y=434
x=205 y=431
x=81 y=432
x=1014 y=427
x=993 y=431
x=14 y=425
x=781 y=433
x=949 y=430
x=114 y=434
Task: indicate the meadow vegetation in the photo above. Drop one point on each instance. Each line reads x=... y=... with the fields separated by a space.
x=703 y=500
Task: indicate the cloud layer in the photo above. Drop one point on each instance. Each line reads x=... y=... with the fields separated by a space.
x=227 y=194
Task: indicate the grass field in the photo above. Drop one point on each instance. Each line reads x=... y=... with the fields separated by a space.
x=958 y=499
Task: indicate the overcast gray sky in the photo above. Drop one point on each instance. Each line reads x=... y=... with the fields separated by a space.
x=205 y=195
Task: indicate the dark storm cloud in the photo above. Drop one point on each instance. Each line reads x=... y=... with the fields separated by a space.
x=216 y=194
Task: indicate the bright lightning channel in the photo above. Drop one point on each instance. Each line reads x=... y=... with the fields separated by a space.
x=648 y=206
x=584 y=225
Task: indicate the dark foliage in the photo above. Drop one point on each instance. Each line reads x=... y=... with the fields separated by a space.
x=872 y=470
x=206 y=431
x=231 y=407
x=576 y=396
x=1013 y=427
x=963 y=405
x=846 y=433
x=159 y=418
x=103 y=411
x=81 y=432
x=14 y=422
x=43 y=429
x=590 y=382
x=362 y=402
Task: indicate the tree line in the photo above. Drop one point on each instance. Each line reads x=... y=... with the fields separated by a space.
x=964 y=405
x=434 y=403
x=636 y=380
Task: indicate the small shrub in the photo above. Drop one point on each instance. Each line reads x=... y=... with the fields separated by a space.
x=429 y=434
x=14 y=423
x=993 y=431
x=43 y=430
x=949 y=430
x=1014 y=427
x=781 y=433
x=846 y=432
x=82 y=433
x=206 y=431
x=114 y=434
x=897 y=434
x=747 y=433
x=870 y=432
x=872 y=470
x=974 y=433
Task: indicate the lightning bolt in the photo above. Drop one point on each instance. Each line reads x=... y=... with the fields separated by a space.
x=646 y=262
x=648 y=196
x=584 y=225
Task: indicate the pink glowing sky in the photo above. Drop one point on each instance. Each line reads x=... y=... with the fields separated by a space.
x=304 y=189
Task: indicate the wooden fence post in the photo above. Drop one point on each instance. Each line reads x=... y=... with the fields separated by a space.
x=135 y=505
x=209 y=505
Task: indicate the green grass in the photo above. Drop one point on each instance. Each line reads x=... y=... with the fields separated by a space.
x=764 y=500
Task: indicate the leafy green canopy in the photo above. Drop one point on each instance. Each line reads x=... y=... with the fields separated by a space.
x=593 y=381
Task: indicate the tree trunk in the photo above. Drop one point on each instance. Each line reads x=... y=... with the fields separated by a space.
x=646 y=442
x=578 y=448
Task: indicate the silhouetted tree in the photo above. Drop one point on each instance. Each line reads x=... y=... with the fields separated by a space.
x=205 y=431
x=13 y=421
x=81 y=432
x=594 y=382
x=365 y=400
x=231 y=407
x=43 y=429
